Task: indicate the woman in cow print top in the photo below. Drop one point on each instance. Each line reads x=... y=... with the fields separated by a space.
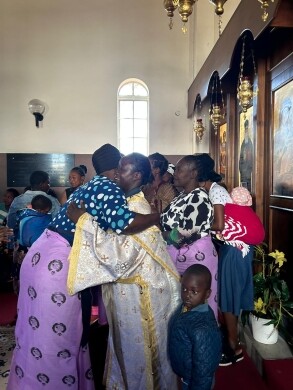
x=187 y=222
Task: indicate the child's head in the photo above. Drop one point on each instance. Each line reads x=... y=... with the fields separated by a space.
x=241 y=196
x=41 y=203
x=195 y=286
x=9 y=196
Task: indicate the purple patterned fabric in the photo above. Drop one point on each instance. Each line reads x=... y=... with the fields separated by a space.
x=49 y=324
x=202 y=252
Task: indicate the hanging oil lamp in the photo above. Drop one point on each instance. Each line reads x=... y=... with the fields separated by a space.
x=170 y=6
x=219 y=10
x=199 y=129
x=185 y=8
x=245 y=93
x=217 y=110
x=245 y=87
x=216 y=116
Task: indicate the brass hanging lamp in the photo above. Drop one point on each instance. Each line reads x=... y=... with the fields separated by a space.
x=219 y=4
x=199 y=129
x=170 y=6
x=198 y=126
x=245 y=87
x=219 y=10
x=217 y=109
x=185 y=9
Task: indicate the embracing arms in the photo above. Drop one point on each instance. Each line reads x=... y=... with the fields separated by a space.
x=139 y=223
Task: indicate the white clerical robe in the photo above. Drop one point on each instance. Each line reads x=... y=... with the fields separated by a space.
x=141 y=290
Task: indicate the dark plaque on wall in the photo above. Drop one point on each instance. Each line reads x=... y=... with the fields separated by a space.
x=21 y=165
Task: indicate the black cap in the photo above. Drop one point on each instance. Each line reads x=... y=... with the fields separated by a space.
x=105 y=158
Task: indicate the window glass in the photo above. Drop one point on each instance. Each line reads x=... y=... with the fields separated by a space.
x=126 y=109
x=140 y=128
x=140 y=109
x=139 y=144
x=139 y=90
x=133 y=117
x=126 y=128
x=126 y=90
x=126 y=145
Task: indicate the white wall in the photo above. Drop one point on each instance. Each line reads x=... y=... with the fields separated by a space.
x=73 y=55
x=205 y=23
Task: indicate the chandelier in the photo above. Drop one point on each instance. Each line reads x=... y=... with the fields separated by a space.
x=245 y=87
x=185 y=8
x=264 y=6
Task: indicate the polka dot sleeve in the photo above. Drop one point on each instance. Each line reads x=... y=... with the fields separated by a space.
x=104 y=200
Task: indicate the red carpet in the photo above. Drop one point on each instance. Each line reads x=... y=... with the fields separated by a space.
x=240 y=376
x=8 y=302
x=278 y=374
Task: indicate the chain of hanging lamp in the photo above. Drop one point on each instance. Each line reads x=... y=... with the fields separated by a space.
x=185 y=8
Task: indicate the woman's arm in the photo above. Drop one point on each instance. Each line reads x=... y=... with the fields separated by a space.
x=219 y=218
x=142 y=222
x=139 y=223
x=63 y=198
x=5 y=234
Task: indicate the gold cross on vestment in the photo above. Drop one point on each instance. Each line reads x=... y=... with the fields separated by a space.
x=85 y=245
x=125 y=244
x=153 y=238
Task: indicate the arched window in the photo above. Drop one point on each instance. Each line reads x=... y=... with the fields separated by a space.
x=133 y=117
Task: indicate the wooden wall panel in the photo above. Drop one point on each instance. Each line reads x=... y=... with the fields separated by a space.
x=281 y=219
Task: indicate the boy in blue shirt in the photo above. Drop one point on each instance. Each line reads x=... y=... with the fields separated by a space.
x=194 y=342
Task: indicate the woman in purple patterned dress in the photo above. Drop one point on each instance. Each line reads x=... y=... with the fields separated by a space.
x=51 y=348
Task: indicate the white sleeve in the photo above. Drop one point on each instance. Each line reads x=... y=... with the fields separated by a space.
x=218 y=195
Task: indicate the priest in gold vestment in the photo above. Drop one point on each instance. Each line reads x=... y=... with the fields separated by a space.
x=140 y=289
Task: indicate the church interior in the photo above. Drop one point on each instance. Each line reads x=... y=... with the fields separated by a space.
x=219 y=83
